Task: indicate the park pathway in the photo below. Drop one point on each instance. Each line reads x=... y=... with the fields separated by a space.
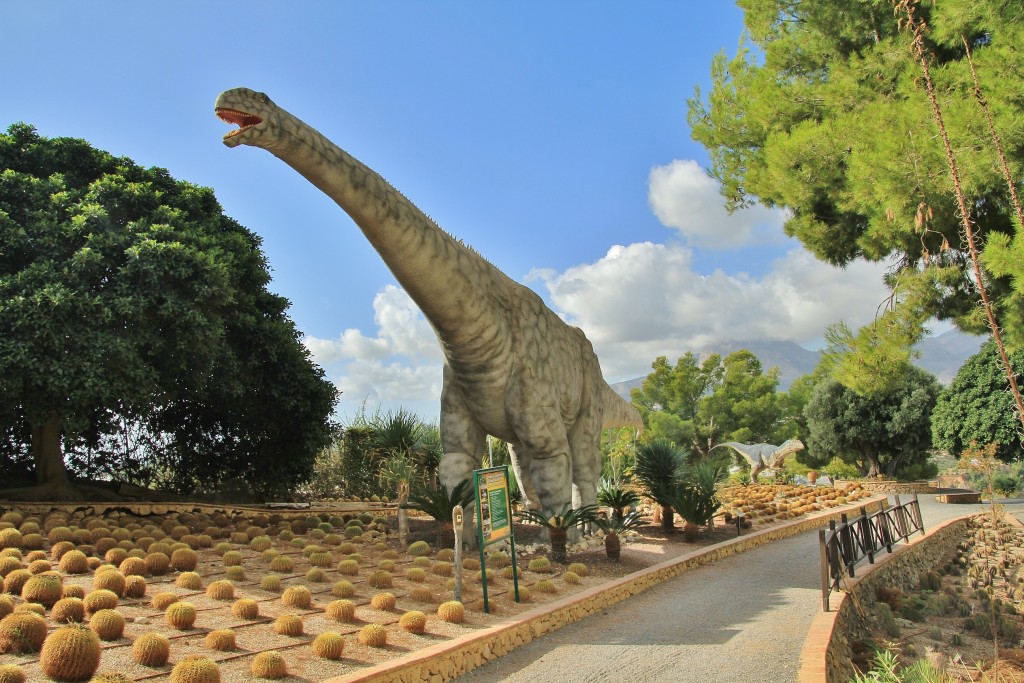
x=740 y=620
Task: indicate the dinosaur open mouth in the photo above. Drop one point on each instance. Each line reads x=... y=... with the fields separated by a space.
x=239 y=118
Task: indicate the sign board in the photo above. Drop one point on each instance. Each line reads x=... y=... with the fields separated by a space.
x=494 y=519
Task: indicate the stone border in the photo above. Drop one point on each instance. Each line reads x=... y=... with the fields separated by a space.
x=826 y=653
x=445 y=661
x=899 y=488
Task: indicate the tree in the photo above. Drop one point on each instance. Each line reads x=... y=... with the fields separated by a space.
x=793 y=120
x=977 y=408
x=697 y=405
x=882 y=433
x=127 y=298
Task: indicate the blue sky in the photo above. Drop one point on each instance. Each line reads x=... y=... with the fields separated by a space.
x=551 y=137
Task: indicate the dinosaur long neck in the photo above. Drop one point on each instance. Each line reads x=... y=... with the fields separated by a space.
x=441 y=275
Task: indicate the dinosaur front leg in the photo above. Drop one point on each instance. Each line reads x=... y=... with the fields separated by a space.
x=585 y=446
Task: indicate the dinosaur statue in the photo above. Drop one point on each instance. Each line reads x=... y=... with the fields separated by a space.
x=513 y=369
x=763 y=456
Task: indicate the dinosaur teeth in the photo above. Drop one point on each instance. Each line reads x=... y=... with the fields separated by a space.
x=240 y=118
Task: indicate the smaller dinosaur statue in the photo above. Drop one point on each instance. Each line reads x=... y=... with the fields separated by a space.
x=763 y=456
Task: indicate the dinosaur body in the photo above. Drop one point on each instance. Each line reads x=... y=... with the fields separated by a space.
x=763 y=456
x=513 y=369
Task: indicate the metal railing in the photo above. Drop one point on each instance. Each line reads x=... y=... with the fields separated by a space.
x=842 y=546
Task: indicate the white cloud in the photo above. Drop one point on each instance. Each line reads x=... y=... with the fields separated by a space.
x=645 y=300
x=683 y=196
x=400 y=366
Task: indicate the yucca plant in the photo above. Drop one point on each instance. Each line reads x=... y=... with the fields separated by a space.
x=612 y=493
x=658 y=468
x=613 y=527
x=399 y=472
x=439 y=503
x=559 y=523
x=696 y=496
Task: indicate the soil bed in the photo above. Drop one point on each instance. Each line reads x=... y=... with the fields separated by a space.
x=317 y=544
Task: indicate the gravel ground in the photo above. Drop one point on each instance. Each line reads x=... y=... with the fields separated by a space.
x=741 y=620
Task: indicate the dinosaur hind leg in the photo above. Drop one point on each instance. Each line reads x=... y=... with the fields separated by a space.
x=464 y=442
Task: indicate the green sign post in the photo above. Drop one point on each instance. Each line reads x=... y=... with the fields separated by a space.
x=494 y=519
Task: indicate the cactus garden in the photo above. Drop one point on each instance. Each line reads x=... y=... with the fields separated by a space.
x=206 y=595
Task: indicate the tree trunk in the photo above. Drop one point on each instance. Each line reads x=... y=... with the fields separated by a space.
x=46 y=451
x=690 y=532
x=446 y=535
x=612 y=546
x=667 y=519
x=403 y=514
x=558 y=538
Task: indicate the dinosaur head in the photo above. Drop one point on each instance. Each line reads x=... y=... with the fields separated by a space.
x=256 y=114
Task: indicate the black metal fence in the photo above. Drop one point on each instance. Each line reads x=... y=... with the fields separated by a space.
x=844 y=545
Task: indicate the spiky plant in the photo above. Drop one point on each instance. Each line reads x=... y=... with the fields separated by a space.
x=71 y=653
x=613 y=528
x=329 y=645
x=559 y=523
x=439 y=503
x=658 y=469
x=613 y=494
x=696 y=496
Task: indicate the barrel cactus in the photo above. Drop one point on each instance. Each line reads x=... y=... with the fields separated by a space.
x=71 y=653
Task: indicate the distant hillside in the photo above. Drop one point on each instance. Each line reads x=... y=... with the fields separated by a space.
x=941 y=355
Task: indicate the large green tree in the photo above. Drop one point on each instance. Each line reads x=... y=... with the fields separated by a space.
x=823 y=111
x=882 y=432
x=977 y=408
x=697 y=404
x=132 y=308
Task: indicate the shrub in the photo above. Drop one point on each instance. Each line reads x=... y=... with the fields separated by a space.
x=385 y=602
x=269 y=664
x=373 y=635
x=108 y=624
x=341 y=610
x=220 y=590
x=329 y=645
x=452 y=611
x=414 y=622
x=297 y=596
x=70 y=653
x=195 y=669
x=222 y=639
x=97 y=600
x=151 y=649
x=288 y=625
x=22 y=632
x=180 y=615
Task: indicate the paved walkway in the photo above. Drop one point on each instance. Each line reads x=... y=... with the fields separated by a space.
x=741 y=620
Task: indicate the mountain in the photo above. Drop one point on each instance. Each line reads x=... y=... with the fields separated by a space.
x=942 y=355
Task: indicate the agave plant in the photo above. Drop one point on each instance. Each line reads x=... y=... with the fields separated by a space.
x=696 y=496
x=613 y=527
x=559 y=524
x=612 y=493
x=438 y=503
x=658 y=468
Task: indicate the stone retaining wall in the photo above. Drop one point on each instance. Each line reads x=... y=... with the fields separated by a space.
x=445 y=661
x=826 y=655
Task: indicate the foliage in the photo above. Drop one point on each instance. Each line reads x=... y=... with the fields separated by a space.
x=695 y=497
x=837 y=468
x=618 y=449
x=977 y=407
x=885 y=668
x=438 y=503
x=792 y=121
x=139 y=333
x=620 y=525
x=699 y=404
x=611 y=493
x=564 y=519
x=885 y=433
x=658 y=468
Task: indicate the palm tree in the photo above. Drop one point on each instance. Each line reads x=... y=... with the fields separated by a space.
x=400 y=471
x=696 y=496
x=559 y=523
x=657 y=469
x=613 y=494
x=613 y=527
x=438 y=503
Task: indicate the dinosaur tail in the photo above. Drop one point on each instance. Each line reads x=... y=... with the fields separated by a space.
x=618 y=412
